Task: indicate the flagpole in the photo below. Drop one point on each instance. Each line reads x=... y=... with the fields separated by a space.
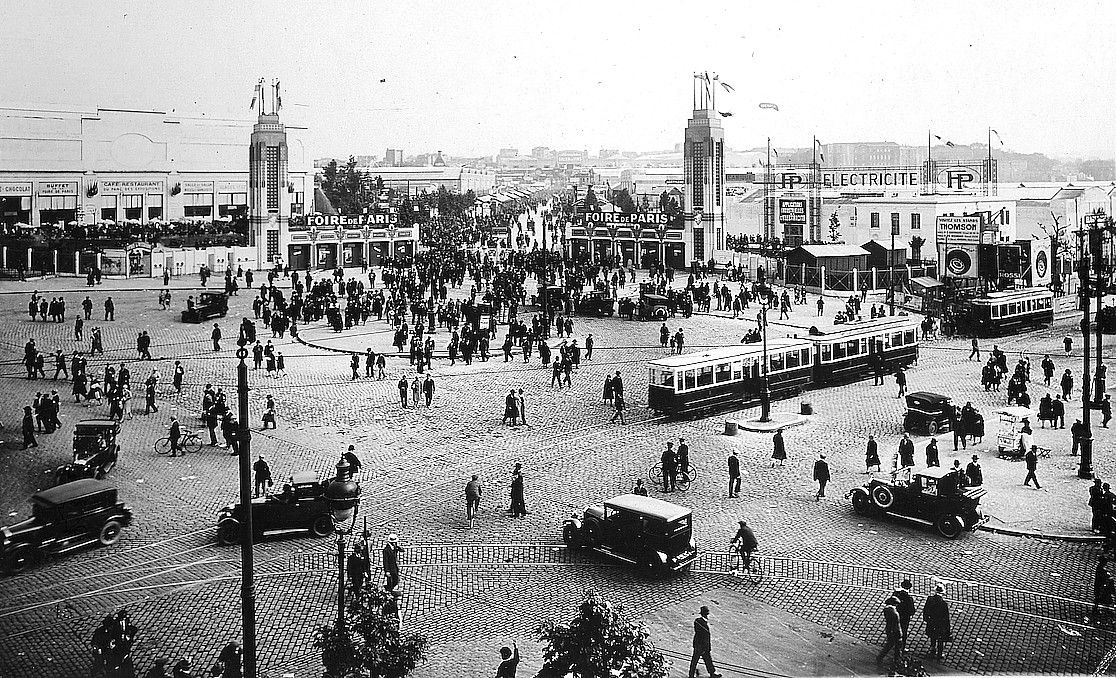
x=989 y=177
x=766 y=186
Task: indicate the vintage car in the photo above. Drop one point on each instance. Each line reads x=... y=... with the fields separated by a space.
x=300 y=506
x=64 y=518
x=95 y=451
x=554 y=296
x=208 y=305
x=653 y=307
x=933 y=496
x=927 y=413
x=654 y=535
x=596 y=303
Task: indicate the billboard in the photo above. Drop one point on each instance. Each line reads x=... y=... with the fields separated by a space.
x=792 y=211
x=1040 y=262
x=959 y=260
x=848 y=179
x=958 y=230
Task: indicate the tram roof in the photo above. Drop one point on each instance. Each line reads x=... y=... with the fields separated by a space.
x=727 y=352
x=866 y=327
x=1008 y=295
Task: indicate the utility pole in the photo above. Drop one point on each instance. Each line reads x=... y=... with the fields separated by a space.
x=247 y=564
x=1089 y=243
x=891 y=269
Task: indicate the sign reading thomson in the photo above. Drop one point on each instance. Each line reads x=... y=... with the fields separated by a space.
x=959 y=230
x=335 y=220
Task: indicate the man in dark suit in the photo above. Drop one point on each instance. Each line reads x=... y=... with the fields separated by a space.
x=703 y=645
x=734 y=475
x=821 y=474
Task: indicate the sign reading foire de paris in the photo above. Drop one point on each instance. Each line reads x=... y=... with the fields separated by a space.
x=640 y=218
x=335 y=220
x=959 y=230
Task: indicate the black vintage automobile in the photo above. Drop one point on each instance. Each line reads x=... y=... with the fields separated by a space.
x=301 y=506
x=654 y=535
x=553 y=296
x=596 y=303
x=208 y=305
x=934 y=496
x=653 y=307
x=95 y=451
x=64 y=518
x=927 y=413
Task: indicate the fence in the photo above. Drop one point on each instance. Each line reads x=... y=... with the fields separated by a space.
x=818 y=279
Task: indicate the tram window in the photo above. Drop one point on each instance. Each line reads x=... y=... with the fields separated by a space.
x=897 y=339
x=995 y=310
x=793 y=360
x=805 y=356
x=839 y=351
x=777 y=362
x=690 y=382
x=652 y=375
x=666 y=378
x=724 y=372
x=737 y=370
x=863 y=346
x=1013 y=308
x=909 y=337
x=705 y=376
x=852 y=347
x=825 y=354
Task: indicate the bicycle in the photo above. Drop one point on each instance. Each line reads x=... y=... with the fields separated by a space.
x=189 y=442
x=655 y=475
x=753 y=572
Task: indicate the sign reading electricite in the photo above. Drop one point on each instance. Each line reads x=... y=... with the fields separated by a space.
x=637 y=218
x=855 y=179
x=792 y=211
x=959 y=230
x=335 y=220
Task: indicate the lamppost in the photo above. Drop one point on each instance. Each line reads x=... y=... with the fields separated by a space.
x=765 y=390
x=342 y=496
x=247 y=564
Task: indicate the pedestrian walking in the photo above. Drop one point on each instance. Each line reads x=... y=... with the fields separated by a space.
x=262 y=472
x=352 y=460
x=905 y=457
x=618 y=403
x=1031 y=459
x=472 y=499
x=669 y=465
x=518 y=506
x=403 y=388
x=733 y=475
x=935 y=612
x=428 y=389
x=1067 y=341
x=872 y=456
x=974 y=474
x=179 y=373
x=216 y=336
x=779 y=450
x=901 y=382
x=1066 y=384
x=932 y=453
x=1106 y=410
x=522 y=406
x=269 y=413
x=703 y=645
x=511 y=408
x=892 y=630
x=821 y=474
x=976 y=350
x=589 y=342
x=905 y=607
x=392 y=553
x=28 y=428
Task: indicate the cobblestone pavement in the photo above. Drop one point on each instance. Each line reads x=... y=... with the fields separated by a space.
x=182 y=589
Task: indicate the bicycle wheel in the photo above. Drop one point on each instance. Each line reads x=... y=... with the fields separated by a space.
x=683 y=482
x=754 y=573
x=162 y=446
x=192 y=444
x=655 y=474
x=692 y=472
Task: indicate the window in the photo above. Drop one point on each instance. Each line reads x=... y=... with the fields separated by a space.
x=271 y=177
x=793 y=360
x=299 y=201
x=805 y=356
x=916 y=222
x=272 y=245
x=666 y=378
x=895 y=223
x=863 y=346
x=198 y=204
x=652 y=375
x=875 y=223
x=826 y=356
x=705 y=376
x=777 y=362
x=697 y=158
x=133 y=206
x=995 y=311
x=909 y=337
x=108 y=208
x=724 y=372
x=737 y=370
x=1007 y=218
x=897 y=339
x=839 y=351
x=1013 y=308
x=852 y=347
x=155 y=206
x=690 y=380
x=57 y=202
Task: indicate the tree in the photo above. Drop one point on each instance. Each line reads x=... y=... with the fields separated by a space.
x=916 y=247
x=370 y=644
x=1058 y=243
x=591 y=202
x=330 y=183
x=623 y=201
x=601 y=641
x=834 y=228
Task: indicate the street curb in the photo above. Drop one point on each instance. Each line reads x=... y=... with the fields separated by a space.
x=85 y=288
x=1071 y=538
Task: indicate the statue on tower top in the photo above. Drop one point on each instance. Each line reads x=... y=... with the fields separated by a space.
x=259 y=97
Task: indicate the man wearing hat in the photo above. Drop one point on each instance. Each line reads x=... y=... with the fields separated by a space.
x=518 y=498
x=703 y=645
x=821 y=474
x=392 y=552
x=159 y=670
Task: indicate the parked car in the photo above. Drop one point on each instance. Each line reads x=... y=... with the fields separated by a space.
x=932 y=496
x=95 y=451
x=301 y=505
x=653 y=307
x=64 y=518
x=654 y=535
x=927 y=413
x=596 y=303
x=208 y=305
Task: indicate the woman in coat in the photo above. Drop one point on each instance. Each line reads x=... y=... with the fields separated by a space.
x=936 y=615
x=779 y=453
x=606 y=396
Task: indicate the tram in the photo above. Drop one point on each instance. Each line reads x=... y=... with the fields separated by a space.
x=728 y=376
x=1000 y=313
x=846 y=352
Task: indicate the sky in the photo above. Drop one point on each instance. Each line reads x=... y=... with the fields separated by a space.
x=469 y=78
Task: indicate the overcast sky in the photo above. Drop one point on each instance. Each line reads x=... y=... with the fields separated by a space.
x=471 y=77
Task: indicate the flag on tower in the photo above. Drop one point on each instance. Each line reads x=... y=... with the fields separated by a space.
x=998 y=137
x=278 y=97
x=728 y=88
x=947 y=143
x=726 y=114
x=769 y=106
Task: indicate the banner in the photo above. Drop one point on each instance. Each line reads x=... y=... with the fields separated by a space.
x=338 y=220
x=849 y=179
x=1040 y=263
x=637 y=218
x=110 y=186
x=958 y=230
x=958 y=260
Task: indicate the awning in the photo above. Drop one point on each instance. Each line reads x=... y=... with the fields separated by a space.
x=927 y=282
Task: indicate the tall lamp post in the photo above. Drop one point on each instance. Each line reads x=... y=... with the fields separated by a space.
x=247 y=564
x=765 y=389
x=1088 y=244
x=342 y=496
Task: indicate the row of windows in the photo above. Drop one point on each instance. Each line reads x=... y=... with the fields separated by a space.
x=916 y=221
x=839 y=350
x=1011 y=308
x=733 y=370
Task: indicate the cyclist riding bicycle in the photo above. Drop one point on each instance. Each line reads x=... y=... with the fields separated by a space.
x=745 y=543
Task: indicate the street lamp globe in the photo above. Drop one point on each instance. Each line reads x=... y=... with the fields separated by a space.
x=342 y=495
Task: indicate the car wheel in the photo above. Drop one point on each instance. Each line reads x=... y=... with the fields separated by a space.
x=323 y=526
x=861 y=503
x=649 y=564
x=110 y=533
x=932 y=428
x=949 y=526
x=882 y=496
x=570 y=536
x=592 y=534
x=19 y=558
x=228 y=532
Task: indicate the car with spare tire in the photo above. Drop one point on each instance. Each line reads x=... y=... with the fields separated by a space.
x=655 y=536
x=301 y=506
x=934 y=496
